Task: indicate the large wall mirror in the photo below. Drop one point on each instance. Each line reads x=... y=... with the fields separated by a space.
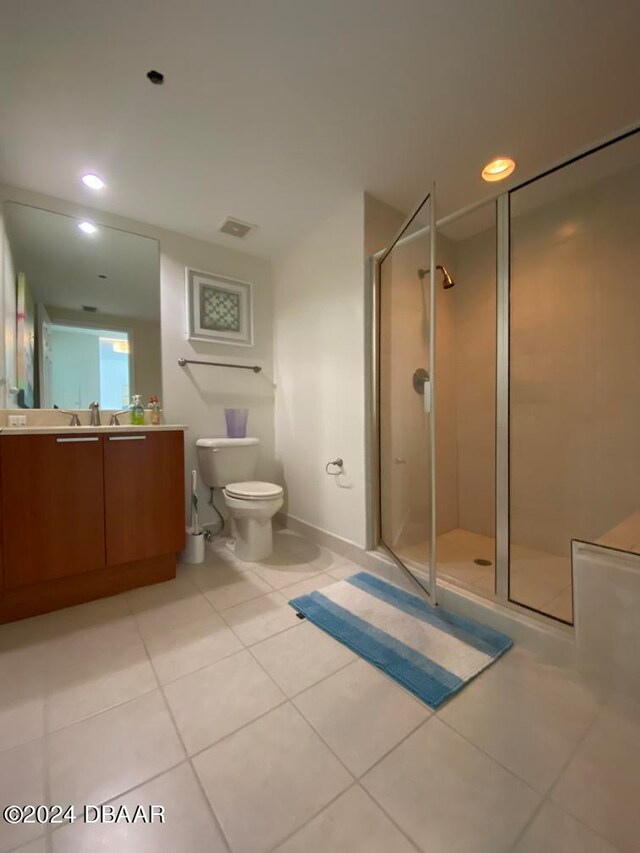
x=82 y=312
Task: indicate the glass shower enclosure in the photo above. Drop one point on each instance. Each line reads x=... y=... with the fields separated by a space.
x=507 y=383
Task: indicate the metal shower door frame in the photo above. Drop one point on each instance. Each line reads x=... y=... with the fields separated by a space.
x=376 y=490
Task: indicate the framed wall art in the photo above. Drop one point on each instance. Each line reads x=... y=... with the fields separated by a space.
x=219 y=309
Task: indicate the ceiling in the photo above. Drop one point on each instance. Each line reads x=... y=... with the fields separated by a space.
x=273 y=112
x=62 y=265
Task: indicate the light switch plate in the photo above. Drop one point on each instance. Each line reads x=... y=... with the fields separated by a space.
x=17 y=420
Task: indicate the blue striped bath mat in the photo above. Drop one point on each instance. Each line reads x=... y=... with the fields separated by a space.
x=429 y=651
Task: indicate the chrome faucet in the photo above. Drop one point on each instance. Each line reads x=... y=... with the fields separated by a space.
x=75 y=420
x=115 y=417
x=94 y=408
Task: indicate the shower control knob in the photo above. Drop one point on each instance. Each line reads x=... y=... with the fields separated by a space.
x=420 y=376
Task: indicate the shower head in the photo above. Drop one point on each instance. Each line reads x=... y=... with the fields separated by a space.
x=447 y=281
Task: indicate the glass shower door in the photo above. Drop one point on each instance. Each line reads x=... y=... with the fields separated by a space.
x=406 y=308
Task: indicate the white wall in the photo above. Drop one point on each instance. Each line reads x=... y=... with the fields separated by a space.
x=197 y=396
x=320 y=372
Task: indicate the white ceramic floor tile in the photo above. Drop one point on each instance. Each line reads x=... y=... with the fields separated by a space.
x=189 y=826
x=269 y=774
x=261 y=618
x=266 y=780
x=345 y=571
x=290 y=548
x=21 y=707
x=448 y=796
x=21 y=717
x=172 y=602
x=22 y=782
x=22 y=682
x=326 y=559
x=299 y=657
x=279 y=576
x=180 y=647
x=225 y=585
x=528 y=715
x=351 y=824
x=601 y=782
x=306 y=586
x=99 y=758
x=217 y=700
x=38 y=845
x=361 y=714
x=554 y=831
x=91 y=669
x=92 y=614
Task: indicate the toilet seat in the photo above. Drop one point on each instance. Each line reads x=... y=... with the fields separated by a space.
x=254 y=490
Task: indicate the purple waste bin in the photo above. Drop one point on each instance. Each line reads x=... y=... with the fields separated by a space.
x=236 y=422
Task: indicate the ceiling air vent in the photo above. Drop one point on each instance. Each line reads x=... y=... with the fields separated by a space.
x=236 y=228
x=89 y=308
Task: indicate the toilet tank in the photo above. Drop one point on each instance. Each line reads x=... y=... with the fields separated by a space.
x=227 y=460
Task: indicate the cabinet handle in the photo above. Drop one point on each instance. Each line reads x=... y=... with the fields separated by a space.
x=76 y=440
x=127 y=437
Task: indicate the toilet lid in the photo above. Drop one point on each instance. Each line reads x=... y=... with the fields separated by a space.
x=253 y=490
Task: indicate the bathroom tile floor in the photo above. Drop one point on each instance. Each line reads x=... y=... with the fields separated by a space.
x=257 y=732
x=538 y=579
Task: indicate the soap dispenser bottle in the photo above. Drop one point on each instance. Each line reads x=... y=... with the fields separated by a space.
x=154 y=411
x=137 y=411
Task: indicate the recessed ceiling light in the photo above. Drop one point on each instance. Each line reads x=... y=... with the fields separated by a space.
x=87 y=227
x=156 y=77
x=93 y=182
x=498 y=169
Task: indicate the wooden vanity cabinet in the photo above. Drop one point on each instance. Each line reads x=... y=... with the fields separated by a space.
x=144 y=502
x=52 y=507
x=86 y=516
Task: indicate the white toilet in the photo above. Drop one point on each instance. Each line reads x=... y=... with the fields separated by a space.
x=229 y=464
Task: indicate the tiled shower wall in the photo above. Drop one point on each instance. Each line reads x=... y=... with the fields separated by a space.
x=575 y=381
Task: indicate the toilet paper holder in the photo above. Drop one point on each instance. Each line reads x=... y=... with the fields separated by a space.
x=336 y=463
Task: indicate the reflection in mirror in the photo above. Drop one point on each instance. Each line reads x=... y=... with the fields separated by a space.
x=84 y=316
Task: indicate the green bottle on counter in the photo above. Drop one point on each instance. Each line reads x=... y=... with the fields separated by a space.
x=137 y=411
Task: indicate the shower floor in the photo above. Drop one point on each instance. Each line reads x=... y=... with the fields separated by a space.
x=538 y=579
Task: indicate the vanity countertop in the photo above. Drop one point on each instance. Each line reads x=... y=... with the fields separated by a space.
x=81 y=430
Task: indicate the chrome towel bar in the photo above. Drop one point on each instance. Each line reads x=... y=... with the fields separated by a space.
x=184 y=361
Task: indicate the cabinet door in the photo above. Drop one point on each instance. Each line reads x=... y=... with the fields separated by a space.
x=52 y=507
x=144 y=495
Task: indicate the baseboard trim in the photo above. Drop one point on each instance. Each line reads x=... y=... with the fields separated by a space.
x=341 y=546
x=56 y=593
